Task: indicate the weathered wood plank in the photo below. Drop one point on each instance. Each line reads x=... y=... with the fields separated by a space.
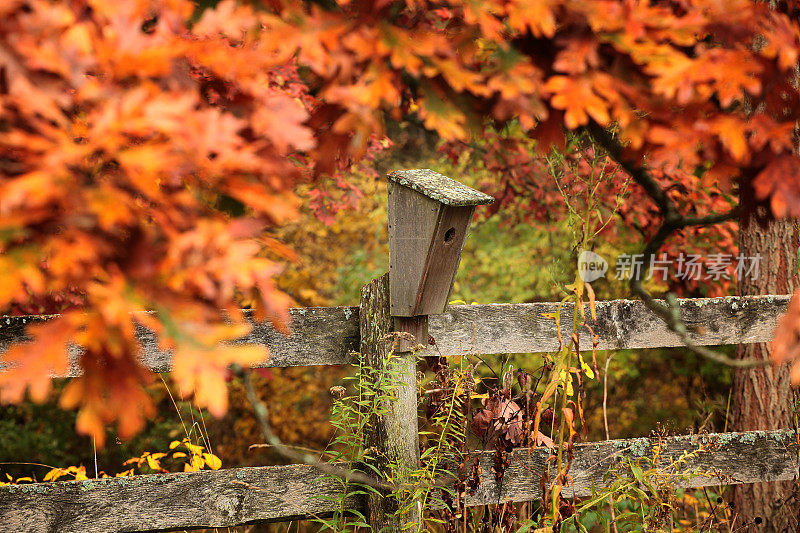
x=320 y=336
x=412 y=221
x=732 y=458
x=242 y=495
x=329 y=335
x=442 y=259
x=168 y=501
x=392 y=434
x=522 y=328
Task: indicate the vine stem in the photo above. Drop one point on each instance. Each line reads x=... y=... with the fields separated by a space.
x=612 y=503
x=567 y=348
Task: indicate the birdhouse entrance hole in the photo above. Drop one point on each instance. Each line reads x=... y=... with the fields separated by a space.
x=449 y=235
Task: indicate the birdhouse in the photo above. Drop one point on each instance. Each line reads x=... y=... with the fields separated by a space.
x=429 y=216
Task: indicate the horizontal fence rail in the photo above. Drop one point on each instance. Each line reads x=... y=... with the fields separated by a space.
x=329 y=335
x=224 y=498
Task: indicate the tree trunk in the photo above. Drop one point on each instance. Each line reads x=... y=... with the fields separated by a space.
x=762 y=397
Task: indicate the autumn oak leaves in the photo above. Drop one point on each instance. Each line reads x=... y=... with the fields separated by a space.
x=123 y=132
x=145 y=147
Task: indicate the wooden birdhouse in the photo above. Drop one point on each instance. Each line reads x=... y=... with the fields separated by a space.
x=429 y=216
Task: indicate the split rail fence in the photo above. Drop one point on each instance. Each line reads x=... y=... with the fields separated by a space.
x=330 y=336
x=429 y=218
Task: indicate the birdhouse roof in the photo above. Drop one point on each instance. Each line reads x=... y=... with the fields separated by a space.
x=440 y=188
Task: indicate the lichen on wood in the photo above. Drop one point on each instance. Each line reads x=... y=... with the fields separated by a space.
x=440 y=188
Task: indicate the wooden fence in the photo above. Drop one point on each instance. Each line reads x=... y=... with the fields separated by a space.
x=330 y=336
x=428 y=222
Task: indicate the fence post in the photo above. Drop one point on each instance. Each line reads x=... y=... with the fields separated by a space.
x=429 y=216
x=393 y=437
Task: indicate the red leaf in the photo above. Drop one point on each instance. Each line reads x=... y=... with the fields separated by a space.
x=780 y=183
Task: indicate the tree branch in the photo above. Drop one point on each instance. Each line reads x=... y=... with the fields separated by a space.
x=672 y=221
x=261 y=414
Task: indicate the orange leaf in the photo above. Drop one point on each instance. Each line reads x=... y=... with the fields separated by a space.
x=577 y=98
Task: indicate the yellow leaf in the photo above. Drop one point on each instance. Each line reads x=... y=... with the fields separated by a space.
x=54 y=474
x=586 y=368
x=590 y=292
x=567 y=379
x=194 y=448
x=213 y=462
x=178 y=455
x=153 y=463
x=197 y=462
x=80 y=474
